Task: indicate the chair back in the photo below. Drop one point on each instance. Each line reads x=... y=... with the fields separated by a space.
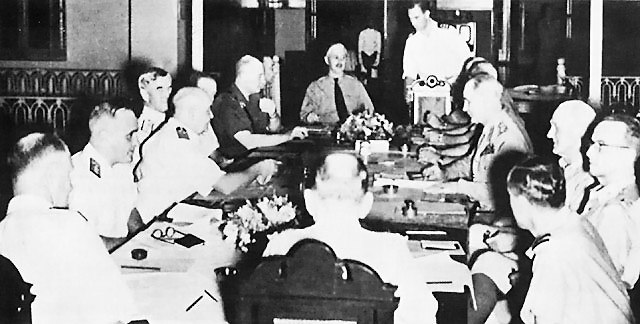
x=310 y=284
x=15 y=298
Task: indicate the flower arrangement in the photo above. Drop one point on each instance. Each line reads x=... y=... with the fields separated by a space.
x=267 y=215
x=366 y=126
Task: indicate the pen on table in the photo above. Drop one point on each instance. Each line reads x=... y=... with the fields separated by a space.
x=139 y=267
x=439 y=282
x=208 y=294
x=194 y=303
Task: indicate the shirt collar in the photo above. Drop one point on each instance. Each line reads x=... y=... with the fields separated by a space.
x=28 y=202
x=605 y=193
x=152 y=113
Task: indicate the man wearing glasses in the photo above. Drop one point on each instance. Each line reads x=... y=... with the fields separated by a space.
x=612 y=155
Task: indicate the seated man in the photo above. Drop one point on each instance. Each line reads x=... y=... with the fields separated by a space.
x=337 y=202
x=205 y=82
x=333 y=97
x=612 y=155
x=55 y=249
x=175 y=160
x=103 y=188
x=155 y=88
x=242 y=120
x=574 y=280
x=568 y=124
x=503 y=132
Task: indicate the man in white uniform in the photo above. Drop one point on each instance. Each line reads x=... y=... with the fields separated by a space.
x=55 y=249
x=431 y=50
x=155 y=87
x=175 y=160
x=103 y=188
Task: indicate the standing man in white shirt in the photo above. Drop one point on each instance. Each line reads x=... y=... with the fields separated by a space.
x=369 y=51
x=155 y=88
x=431 y=50
x=103 y=188
x=55 y=249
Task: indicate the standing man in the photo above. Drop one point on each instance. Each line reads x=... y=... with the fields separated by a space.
x=55 y=249
x=175 y=160
x=155 y=88
x=568 y=125
x=431 y=50
x=103 y=188
x=333 y=97
x=612 y=156
x=243 y=120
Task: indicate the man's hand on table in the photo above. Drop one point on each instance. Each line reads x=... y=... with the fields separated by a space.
x=312 y=118
x=265 y=169
x=433 y=173
x=298 y=132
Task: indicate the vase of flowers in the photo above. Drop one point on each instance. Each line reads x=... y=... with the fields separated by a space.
x=251 y=222
x=370 y=128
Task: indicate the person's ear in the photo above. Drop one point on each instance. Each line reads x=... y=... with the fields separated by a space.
x=366 y=204
x=144 y=95
x=310 y=201
x=326 y=60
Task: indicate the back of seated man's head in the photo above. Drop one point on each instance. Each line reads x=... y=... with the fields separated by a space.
x=40 y=165
x=341 y=181
x=192 y=108
x=113 y=128
x=534 y=185
x=155 y=87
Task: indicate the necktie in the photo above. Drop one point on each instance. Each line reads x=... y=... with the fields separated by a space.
x=341 y=107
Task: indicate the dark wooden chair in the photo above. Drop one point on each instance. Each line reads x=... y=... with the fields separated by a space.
x=15 y=297
x=309 y=283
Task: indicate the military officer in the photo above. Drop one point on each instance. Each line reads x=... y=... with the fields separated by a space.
x=55 y=249
x=333 y=97
x=502 y=133
x=243 y=120
x=103 y=188
x=175 y=160
x=155 y=87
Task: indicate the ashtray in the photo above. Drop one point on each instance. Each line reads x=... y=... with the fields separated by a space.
x=139 y=254
x=390 y=189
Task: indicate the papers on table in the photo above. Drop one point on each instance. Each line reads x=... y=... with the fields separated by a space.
x=442 y=245
x=404 y=183
x=442 y=273
x=187 y=213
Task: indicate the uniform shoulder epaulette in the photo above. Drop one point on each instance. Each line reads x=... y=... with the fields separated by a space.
x=182 y=133
x=502 y=128
x=94 y=167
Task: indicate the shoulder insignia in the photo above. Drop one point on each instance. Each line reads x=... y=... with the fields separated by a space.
x=502 y=128
x=489 y=149
x=182 y=133
x=94 y=167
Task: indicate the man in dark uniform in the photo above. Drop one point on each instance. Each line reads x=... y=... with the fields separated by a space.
x=243 y=120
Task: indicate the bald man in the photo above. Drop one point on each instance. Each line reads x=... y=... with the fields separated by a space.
x=339 y=199
x=103 y=188
x=175 y=160
x=242 y=120
x=333 y=97
x=568 y=125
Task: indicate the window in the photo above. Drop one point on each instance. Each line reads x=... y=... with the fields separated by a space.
x=33 y=30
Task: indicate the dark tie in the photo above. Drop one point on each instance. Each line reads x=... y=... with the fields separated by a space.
x=341 y=107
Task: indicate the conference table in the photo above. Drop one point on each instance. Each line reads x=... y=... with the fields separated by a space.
x=178 y=283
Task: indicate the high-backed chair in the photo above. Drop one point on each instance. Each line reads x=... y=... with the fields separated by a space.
x=309 y=284
x=15 y=298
